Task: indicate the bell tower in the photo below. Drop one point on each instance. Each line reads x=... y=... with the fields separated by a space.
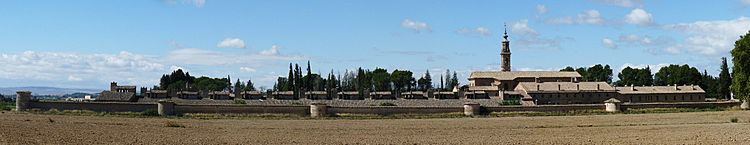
x=505 y=52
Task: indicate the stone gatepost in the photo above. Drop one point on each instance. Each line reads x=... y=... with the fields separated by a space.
x=612 y=105
x=318 y=110
x=471 y=109
x=22 y=100
x=165 y=108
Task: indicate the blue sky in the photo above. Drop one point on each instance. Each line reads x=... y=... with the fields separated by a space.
x=87 y=44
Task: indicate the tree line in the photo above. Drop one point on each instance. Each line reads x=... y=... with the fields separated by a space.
x=179 y=80
x=715 y=87
x=361 y=80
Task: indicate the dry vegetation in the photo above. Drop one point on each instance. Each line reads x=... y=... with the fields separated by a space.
x=665 y=128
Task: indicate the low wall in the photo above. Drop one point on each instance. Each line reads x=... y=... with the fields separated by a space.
x=297 y=109
x=384 y=110
x=547 y=108
x=241 y=109
x=681 y=105
x=93 y=106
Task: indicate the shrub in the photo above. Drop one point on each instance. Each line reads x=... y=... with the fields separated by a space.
x=387 y=104
x=7 y=106
x=150 y=112
x=240 y=102
x=734 y=120
x=173 y=124
x=509 y=102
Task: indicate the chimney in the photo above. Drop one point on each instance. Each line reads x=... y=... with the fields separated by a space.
x=632 y=87
x=675 y=87
x=692 y=86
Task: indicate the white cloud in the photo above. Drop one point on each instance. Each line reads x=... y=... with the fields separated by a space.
x=481 y=31
x=270 y=52
x=522 y=28
x=709 y=37
x=639 y=17
x=654 y=67
x=541 y=9
x=528 y=38
x=207 y=57
x=623 y=3
x=96 y=68
x=745 y=2
x=416 y=26
x=586 y=17
x=198 y=3
x=231 y=43
x=653 y=45
x=609 y=43
x=74 y=78
x=247 y=69
x=195 y=3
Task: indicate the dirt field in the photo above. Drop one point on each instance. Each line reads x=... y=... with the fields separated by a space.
x=669 y=128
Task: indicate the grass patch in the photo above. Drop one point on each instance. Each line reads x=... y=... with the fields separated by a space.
x=173 y=124
x=89 y=113
x=509 y=102
x=240 y=102
x=387 y=104
x=7 y=106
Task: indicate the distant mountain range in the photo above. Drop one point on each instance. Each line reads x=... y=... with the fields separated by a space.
x=47 y=90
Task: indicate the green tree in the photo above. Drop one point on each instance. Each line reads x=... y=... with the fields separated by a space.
x=676 y=74
x=725 y=80
x=741 y=67
x=249 y=86
x=569 y=69
x=381 y=79
x=710 y=84
x=594 y=73
x=425 y=82
x=635 y=76
x=288 y=81
x=309 y=81
x=402 y=80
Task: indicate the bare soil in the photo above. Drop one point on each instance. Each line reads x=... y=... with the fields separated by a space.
x=667 y=128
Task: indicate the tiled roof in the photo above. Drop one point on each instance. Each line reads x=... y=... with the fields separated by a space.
x=565 y=87
x=511 y=75
x=659 y=89
x=315 y=93
x=483 y=88
x=250 y=92
x=116 y=96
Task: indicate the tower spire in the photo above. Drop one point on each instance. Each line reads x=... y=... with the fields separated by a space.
x=505 y=51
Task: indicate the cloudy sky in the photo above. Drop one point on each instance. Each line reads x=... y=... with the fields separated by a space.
x=87 y=44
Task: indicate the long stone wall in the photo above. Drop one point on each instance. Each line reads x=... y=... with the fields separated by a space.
x=93 y=106
x=168 y=107
x=681 y=105
x=547 y=108
x=384 y=110
x=241 y=109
